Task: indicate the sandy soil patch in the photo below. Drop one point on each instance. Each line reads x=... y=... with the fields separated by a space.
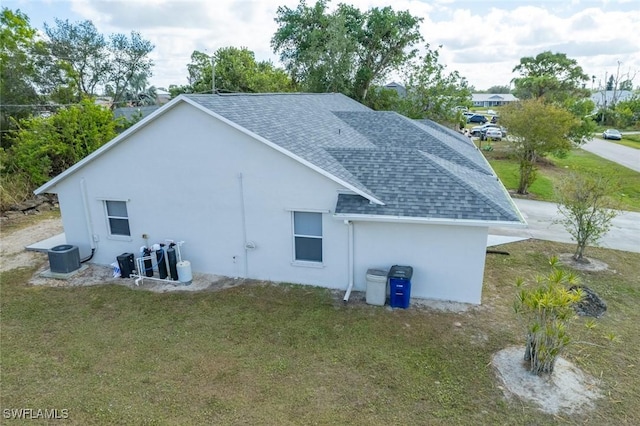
x=12 y=252
x=593 y=265
x=567 y=391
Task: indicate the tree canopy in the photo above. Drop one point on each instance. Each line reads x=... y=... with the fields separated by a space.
x=236 y=70
x=587 y=208
x=345 y=50
x=84 y=61
x=549 y=75
x=499 y=89
x=433 y=93
x=18 y=71
x=537 y=129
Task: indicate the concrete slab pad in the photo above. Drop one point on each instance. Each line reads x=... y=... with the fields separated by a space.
x=49 y=243
x=60 y=275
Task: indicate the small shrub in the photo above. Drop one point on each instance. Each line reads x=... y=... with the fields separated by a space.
x=547 y=309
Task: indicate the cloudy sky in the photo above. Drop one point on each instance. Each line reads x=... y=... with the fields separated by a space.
x=481 y=39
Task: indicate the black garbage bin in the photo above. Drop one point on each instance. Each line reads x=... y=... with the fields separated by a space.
x=126 y=265
x=400 y=286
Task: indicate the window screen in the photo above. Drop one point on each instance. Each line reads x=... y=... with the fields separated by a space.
x=307 y=233
x=118 y=218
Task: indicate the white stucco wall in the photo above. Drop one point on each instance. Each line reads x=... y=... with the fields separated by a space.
x=181 y=179
x=448 y=261
x=184 y=177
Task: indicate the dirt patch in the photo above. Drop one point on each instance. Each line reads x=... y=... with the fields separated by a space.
x=12 y=244
x=567 y=391
x=591 y=265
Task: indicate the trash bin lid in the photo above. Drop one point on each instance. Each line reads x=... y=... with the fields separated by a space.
x=377 y=272
x=398 y=271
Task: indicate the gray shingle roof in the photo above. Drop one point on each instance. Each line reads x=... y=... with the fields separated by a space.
x=418 y=169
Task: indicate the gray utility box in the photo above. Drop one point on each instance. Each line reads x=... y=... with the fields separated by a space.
x=64 y=258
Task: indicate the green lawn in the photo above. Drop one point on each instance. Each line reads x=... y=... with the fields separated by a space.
x=282 y=354
x=553 y=169
x=632 y=141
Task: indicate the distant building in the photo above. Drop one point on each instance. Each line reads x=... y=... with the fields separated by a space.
x=607 y=97
x=162 y=96
x=492 y=99
x=399 y=88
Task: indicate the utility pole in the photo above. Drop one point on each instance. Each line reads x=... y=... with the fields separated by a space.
x=604 y=95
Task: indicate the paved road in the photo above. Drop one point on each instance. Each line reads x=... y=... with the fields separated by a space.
x=623 y=235
x=623 y=155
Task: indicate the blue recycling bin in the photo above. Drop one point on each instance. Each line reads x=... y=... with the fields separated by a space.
x=400 y=286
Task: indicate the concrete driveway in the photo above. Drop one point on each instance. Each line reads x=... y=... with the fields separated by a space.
x=623 y=235
x=623 y=155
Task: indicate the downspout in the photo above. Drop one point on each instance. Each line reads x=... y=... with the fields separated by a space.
x=350 y=260
x=87 y=219
x=244 y=226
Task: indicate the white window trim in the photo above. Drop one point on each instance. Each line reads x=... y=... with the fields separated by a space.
x=306 y=263
x=111 y=236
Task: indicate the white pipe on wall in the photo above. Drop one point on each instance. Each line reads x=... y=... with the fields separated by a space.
x=244 y=226
x=87 y=213
x=350 y=260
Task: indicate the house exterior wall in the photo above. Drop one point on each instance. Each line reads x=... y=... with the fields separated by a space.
x=448 y=261
x=189 y=177
x=186 y=177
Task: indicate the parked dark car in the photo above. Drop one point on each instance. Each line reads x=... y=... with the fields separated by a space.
x=477 y=118
x=612 y=134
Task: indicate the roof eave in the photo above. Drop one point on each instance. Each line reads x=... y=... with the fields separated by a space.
x=430 y=221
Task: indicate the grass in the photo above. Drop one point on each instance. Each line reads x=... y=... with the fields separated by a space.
x=286 y=354
x=632 y=141
x=553 y=169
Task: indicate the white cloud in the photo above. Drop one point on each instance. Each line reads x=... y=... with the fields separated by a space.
x=482 y=41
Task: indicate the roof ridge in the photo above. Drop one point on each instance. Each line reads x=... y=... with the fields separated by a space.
x=260 y=94
x=464 y=183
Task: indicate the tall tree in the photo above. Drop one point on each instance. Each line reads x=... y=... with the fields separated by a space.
x=549 y=75
x=433 y=93
x=626 y=85
x=236 y=70
x=18 y=71
x=85 y=62
x=610 y=83
x=345 y=50
x=537 y=129
x=128 y=60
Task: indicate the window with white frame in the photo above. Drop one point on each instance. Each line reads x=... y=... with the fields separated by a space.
x=117 y=217
x=307 y=235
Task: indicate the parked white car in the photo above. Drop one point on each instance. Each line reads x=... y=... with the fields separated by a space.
x=493 y=133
